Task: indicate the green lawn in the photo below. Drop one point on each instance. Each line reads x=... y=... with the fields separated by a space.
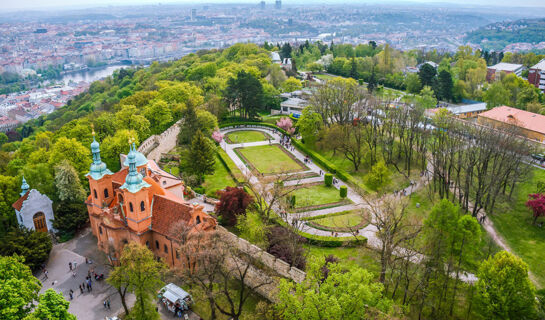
x=245 y=136
x=347 y=220
x=514 y=222
x=218 y=180
x=270 y=159
x=174 y=170
x=316 y=195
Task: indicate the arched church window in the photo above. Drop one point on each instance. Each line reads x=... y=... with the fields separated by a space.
x=106 y=194
x=156 y=244
x=147 y=244
x=130 y=207
x=198 y=219
x=142 y=206
x=95 y=193
x=165 y=248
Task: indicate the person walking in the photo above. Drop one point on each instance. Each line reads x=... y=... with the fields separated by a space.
x=74 y=264
x=70 y=265
x=71 y=294
x=80 y=289
x=108 y=304
x=45 y=274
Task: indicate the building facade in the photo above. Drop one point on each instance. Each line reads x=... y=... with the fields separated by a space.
x=494 y=72
x=530 y=125
x=536 y=75
x=34 y=210
x=140 y=203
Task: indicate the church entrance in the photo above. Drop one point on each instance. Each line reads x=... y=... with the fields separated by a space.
x=39 y=222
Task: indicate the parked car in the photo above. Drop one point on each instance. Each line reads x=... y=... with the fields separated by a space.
x=538 y=157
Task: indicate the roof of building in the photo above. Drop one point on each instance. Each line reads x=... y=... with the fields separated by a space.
x=467 y=108
x=504 y=66
x=18 y=205
x=166 y=213
x=524 y=119
x=540 y=65
x=275 y=56
x=141 y=159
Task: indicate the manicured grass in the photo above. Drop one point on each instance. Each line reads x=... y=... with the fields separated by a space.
x=245 y=136
x=270 y=159
x=316 y=195
x=174 y=170
x=351 y=256
x=348 y=220
x=514 y=222
x=218 y=180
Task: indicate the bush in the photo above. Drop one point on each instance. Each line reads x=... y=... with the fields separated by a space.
x=199 y=190
x=249 y=123
x=233 y=202
x=34 y=246
x=328 y=179
x=332 y=242
x=293 y=200
x=287 y=246
x=343 y=191
x=69 y=217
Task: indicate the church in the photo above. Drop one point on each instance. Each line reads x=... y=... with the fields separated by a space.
x=141 y=203
x=34 y=210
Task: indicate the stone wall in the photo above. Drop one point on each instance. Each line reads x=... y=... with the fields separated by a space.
x=156 y=145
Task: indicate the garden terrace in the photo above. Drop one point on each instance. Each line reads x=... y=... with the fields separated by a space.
x=317 y=196
x=344 y=221
x=245 y=136
x=270 y=159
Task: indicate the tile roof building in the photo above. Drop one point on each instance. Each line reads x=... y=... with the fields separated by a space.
x=494 y=72
x=140 y=203
x=536 y=75
x=531 y=125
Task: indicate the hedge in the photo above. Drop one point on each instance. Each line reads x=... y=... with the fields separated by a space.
x=228 y=167
x=327 y=215
x=328 y=179
x=249 y=123
x=321 y=161
x=343 y=191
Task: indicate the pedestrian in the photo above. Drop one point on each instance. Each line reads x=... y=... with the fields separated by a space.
x=104 y=303
x=45 y=274
x=70 y=294
x=74 y=274
x=108 y=303
x=80 y=289
x=86 y=260
x=70 y=265
x=75 y=264
x=87 y=285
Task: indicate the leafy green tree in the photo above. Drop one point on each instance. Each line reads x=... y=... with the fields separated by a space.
x=286 y=50
x=70 y=217
x=427 y=75
x=379 y=176
x=427 y=98
x=276 y=75
x=412 y=83
x=73 y=151
x=33 y=246
x=159 y=116
x=207 y=122
x=18 y=288
x=189 y=125
x=527 y=95
x=68 y=185
x=504 y=290
x=3 y=138
x=201 y=158
x=252 y=228
x=9 y=193
x=52 y=305
x=140 y=273
x=40 y=177
x=309 y=124
x=444 y=86
x=496 y=95
x=345 y=293
x=245 y=93
x=291 y=84
x=115 y=145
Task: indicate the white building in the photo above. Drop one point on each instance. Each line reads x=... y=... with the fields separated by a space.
x=34 y=210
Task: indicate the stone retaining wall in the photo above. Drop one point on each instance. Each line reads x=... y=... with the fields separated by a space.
x=156 y=145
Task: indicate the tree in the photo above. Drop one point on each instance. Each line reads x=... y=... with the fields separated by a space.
x=115 y=145
x=159 y=116
x=73 y=151
x=202 y=156
x=287 y=245
x=245 y=94
x=189 y=125
x=536 y=203
x=346 y=293
x=3 y=138
x=338 y=101
x=379 y=176
x=286 y=124
x=427 y=75
x=308 y=125
x=445 y=86
x=504 y=290
x=140 y=273
x=496 y=95
x=233 y=202
x=52 y=305
x=372 y=83
x=285 y=51
x=9 y=193
x=18 y=288
x=412 y=83
x=276 y=75
x=291 y=84
x=70 y=217
x=426 y=100
x=129 y=118
x=31 y=245
x=252 y=228
x=68 y=184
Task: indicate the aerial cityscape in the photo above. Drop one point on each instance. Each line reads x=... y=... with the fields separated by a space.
x=272 y=160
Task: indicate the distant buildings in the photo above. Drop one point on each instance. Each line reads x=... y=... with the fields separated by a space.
x=461 y=111
x=278 y=4
x=294 y=102
x=262 y=5
x=494 y=72
x=275 y=57
x=536 y=75
x=531 y=125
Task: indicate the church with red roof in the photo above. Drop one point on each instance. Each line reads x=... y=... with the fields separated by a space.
x=140 y=203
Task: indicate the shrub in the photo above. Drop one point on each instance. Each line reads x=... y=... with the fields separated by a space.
x=233 y=202
x=328 y=179
x=287 y=246
x=293 y=200
x=343 y=191
x=199 y=190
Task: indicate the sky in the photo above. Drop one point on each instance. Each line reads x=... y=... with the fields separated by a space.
x=41 y=4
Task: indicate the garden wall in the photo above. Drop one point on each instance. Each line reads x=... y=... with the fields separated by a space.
x=156 y=145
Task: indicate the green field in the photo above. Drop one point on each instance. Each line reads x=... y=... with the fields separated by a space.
x=246 y=136
x=514 y=222
x=218 y=180
x=270 y=159
x=316 y=195
x=348 y=220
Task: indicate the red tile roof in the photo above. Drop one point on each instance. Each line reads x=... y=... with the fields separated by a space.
x=524 y=119
x=166 y=213
x=19 y=203
x=120 y=176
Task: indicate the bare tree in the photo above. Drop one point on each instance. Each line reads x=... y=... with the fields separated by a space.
x=338 y=101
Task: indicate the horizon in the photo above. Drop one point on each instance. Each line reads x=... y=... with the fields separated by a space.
x=64 y=5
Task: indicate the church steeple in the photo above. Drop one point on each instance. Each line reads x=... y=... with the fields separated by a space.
x=134 y=181
x=98 y=168
x=24 y=187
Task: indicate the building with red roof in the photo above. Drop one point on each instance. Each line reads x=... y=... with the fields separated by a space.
x=140 y=203
x=531 y=125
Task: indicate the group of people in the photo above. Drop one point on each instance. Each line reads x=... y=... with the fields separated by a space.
x=286 y=143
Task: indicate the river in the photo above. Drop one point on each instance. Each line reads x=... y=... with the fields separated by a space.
x=91 y=74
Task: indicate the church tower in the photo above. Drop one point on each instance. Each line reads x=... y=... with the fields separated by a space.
x=135 y=196
x=24 y=187
x=100 y=181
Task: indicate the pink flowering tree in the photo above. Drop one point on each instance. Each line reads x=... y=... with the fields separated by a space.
x=217 y=136
x=286 y=124
x=536 y=202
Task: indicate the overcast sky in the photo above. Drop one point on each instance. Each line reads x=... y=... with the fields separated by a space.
x=40 y=4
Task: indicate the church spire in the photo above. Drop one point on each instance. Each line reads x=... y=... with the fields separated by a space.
x=98 y=168
x=24 y=187
x=134 y=181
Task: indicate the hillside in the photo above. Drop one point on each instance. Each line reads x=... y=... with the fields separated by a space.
x=497 y=35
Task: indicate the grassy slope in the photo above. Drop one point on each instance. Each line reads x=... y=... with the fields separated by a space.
x=514 y=222
x=316 y=195
x=218 y=180
x=270 y=159
x=350 y=219
x=246 y=136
